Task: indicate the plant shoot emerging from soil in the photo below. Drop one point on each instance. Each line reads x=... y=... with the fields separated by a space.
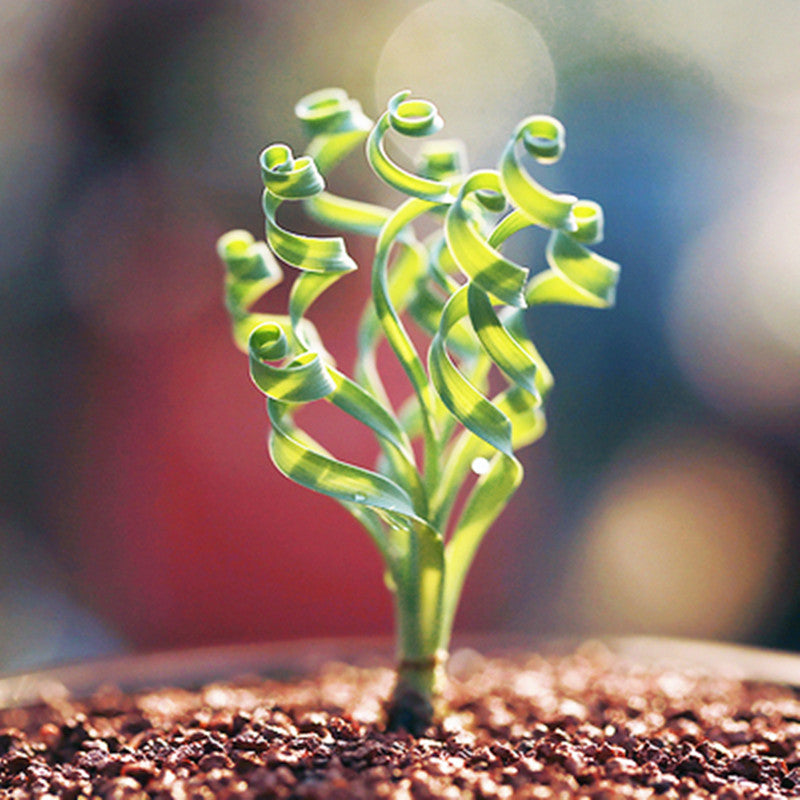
x=458 y=289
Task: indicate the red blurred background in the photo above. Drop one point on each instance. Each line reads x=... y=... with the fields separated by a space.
x=138 y=505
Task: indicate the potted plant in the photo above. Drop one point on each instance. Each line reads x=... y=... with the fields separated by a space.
x=456 y=287
x=581 y=722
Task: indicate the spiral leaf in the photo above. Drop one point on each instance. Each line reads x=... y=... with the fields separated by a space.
x=577 y=275
x=410 y=118
x=252 y=272
x=456 y=288
x=500 y=345
x=543 y=138
x=337 y=126
x=323 y=473
x=462 y=399
x=326 y=114
x=498 y=276
x=302 y=380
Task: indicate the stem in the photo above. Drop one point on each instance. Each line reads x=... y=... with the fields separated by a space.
x=419 y=598
x=419 y=683
x=420 y=666
x=431 y=448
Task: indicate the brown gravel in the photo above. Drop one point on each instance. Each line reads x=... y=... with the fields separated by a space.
x=584 y=726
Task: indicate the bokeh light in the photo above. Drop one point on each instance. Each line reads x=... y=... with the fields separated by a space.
x=687 y=536
x=736 y=302
x=485 y=65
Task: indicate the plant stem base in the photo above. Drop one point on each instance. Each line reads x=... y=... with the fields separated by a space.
x=420 y=684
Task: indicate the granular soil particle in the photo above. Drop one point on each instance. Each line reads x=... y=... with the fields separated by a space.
x=586 y=725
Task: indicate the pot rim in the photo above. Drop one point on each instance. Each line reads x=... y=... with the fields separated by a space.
x=193 y=667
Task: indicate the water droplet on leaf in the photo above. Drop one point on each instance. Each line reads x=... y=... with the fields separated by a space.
x=480 y=465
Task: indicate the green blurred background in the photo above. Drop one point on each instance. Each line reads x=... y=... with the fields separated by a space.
x=138 y=508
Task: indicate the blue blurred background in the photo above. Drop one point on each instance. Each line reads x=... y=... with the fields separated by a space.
x=138 y=508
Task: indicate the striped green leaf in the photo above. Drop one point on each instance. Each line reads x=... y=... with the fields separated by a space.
x=543 y=138
x=461 y=398
x=410 y=118
x=498 y=342
x=316 y=470
x=453 y=287
x=471 y=250
x=577 y=276
x=303 y=379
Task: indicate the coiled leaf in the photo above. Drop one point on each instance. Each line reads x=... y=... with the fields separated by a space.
x=455 y=287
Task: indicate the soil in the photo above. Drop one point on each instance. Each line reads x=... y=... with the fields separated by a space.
x=587 y=725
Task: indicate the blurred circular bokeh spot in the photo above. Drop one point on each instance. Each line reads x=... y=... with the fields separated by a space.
x=735 y=305
x=687 y=535
x=484 y=66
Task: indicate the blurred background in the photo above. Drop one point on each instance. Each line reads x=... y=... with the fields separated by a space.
x=138 y=508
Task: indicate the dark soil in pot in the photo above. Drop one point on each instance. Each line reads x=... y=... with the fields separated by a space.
x=591 y=724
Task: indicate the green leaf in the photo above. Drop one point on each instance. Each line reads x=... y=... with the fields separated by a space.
x=337 y=126
x=303 y=379
x=487 y=500
x=500 y=345
x=361 y=405
x=310 y=253
x=463 y=400
x=316 y=470
x=287 y=177
x=327 y=114
x=577 y=276
x=543 y=138
x=410 y=118
x=470 y=249
x=393 y=328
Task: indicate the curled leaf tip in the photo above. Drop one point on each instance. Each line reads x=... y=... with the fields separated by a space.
x=409 y=117
x=330 y=110
x=543 y=137
x=251 y=270
x=288 y=177
x=304 y=379
x=413 y=117
x=476 y=257
x=268 y=342
x=234 y=244
x=588 y=217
